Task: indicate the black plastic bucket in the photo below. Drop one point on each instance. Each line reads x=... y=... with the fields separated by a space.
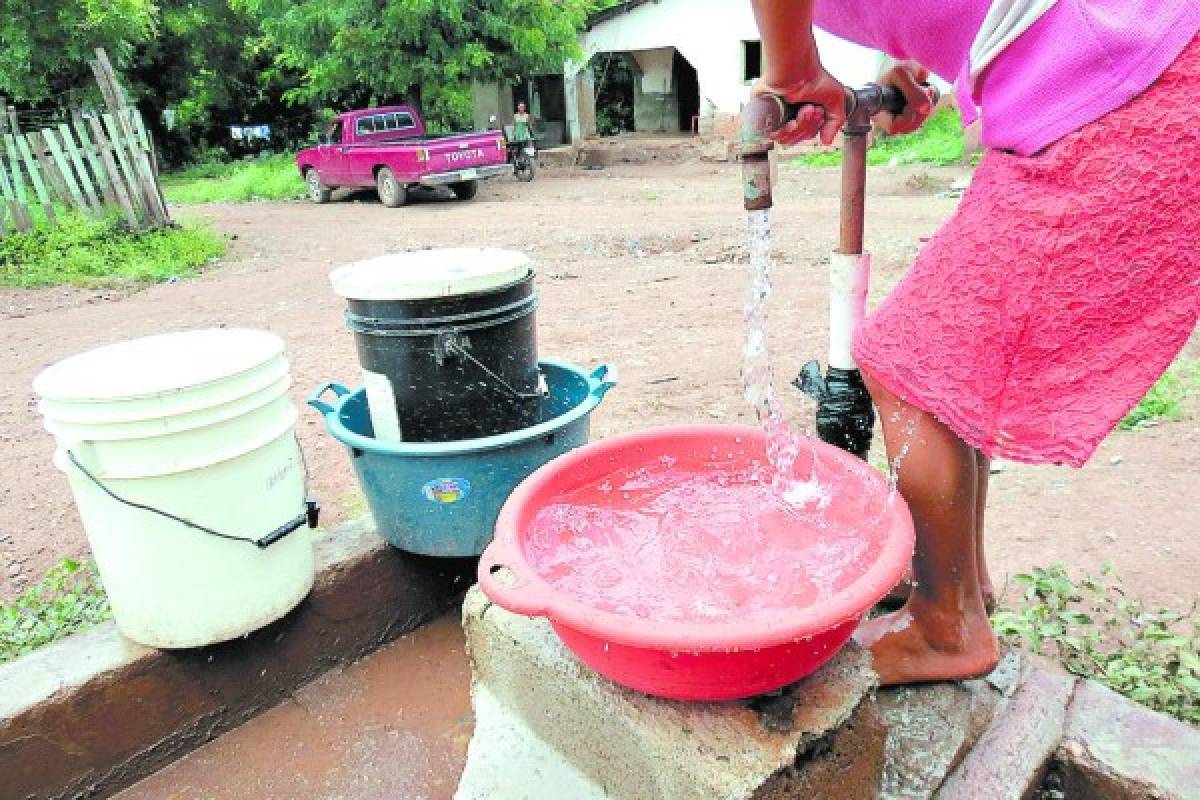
x=453 y=366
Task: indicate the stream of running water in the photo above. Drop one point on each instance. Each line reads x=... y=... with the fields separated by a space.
x=783 y=445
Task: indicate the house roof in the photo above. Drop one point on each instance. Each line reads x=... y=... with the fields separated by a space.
x=623 y=7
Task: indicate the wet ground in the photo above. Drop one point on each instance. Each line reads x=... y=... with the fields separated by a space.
x=394 y=726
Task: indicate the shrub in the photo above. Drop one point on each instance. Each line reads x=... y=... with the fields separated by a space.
x=271 y=178
x=1149 y=654
x=86 y=251
x=69 y=599
x=939 y=142
x=1166 y=398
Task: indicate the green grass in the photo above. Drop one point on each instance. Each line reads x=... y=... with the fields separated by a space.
x=273 y=178
x=1165 y=400
x=1097 y=630
x=939 y=142
x=85 y=251
x=69 y=599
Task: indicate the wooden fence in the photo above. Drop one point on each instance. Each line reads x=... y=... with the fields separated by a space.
x=96 y=162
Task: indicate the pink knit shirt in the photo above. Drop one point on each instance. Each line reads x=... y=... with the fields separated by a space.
x=1082 y=59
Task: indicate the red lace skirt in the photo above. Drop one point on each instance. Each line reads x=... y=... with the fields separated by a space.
x=1061 y=289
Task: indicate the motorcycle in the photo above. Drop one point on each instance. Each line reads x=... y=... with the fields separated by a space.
x=521 y=154
x=523 y=157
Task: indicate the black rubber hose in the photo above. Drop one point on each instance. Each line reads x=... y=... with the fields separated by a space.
x=845 y=413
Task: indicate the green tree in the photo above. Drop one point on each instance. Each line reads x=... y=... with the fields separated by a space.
x=211 y=66
x=47 y=43
x=354 y=52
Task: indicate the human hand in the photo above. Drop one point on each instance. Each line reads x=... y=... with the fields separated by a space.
x=823 y=107
x=907 y=76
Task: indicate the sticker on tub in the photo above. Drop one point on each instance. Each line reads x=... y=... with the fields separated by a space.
x=446 y=491
x=381 y=401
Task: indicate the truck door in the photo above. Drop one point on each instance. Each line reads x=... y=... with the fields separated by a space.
x=360 y=160
x=332 y=161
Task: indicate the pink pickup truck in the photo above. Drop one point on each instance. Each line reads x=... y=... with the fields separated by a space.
x=387 y=148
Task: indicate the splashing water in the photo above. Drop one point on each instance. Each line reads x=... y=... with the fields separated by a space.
x=758 y=379
x=701 y=541
x=908 y=430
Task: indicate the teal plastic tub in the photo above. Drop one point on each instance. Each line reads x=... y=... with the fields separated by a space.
x=442 y=498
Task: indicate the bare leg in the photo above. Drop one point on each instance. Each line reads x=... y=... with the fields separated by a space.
x=899 y=595
x=942 y=632
x=984 y=470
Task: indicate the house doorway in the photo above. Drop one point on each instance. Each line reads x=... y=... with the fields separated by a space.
x=687 y=90
x=615 y=76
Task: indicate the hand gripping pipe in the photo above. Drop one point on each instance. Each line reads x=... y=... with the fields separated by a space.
x=845 y=416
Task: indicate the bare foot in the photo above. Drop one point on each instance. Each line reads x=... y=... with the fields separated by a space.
x=898 y=596
x=911 y=649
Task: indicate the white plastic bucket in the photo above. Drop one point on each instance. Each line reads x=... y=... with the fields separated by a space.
x=193 y=427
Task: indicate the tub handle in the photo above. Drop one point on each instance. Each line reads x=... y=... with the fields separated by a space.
x=309 y=517
x=603 y=378
x=503 y=578
x=316 y=402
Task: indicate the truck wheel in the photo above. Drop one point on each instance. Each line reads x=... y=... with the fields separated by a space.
x=392 y=193
x=318 y=192
x=465 y=190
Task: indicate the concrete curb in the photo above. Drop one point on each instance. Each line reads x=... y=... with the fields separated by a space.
x=94 y=713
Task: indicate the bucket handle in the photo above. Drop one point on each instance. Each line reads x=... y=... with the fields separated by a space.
x=309 y=516
x=602 y=379
x=454 y=347
x=504 y=578
x=316 y=402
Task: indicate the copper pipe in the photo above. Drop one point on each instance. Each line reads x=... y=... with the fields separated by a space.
x=854 y=190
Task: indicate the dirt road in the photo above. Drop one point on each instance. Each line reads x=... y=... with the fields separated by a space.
x=639 y=266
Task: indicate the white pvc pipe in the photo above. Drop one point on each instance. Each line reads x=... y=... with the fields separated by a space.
x=849 y=276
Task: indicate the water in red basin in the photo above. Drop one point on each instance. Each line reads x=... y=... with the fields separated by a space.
x=710 y=542
x=667 y=561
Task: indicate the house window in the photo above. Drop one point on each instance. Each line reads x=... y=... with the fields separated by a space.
x=751 y=61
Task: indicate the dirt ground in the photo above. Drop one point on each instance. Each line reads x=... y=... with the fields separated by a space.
x=639 y=266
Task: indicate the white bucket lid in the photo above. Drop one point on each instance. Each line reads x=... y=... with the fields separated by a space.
x=427 y=274
x=157 y=365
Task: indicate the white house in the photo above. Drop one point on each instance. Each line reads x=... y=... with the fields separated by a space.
x=682 y=64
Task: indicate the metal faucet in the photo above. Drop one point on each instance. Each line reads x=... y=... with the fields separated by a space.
x=845 y=415
x=767 y=113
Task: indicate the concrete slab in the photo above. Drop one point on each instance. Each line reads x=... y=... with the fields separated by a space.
x=847 y=764
x=94 y=713
x=392 y=726
x=517 y=763
x=931 y=728
x=1116 y=749
x=549 y=727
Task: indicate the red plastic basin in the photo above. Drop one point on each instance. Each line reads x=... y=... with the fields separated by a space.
x=699 y=659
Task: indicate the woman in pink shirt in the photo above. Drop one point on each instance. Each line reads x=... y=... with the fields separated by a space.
x=1064 y=285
